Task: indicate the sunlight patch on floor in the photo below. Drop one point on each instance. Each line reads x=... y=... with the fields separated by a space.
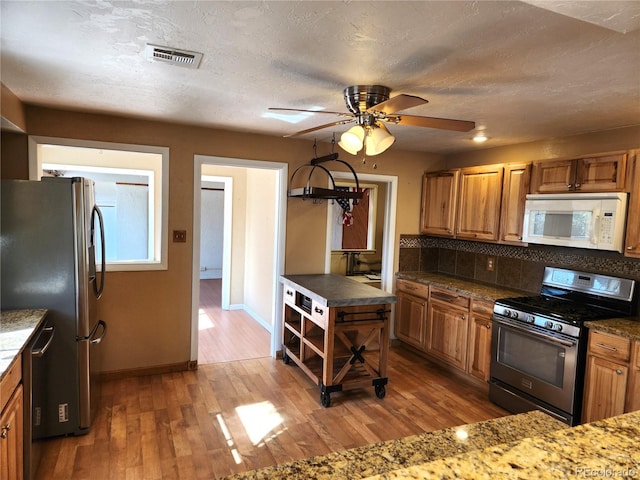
x=259 y=420
x=227 y=435
x=204 y=322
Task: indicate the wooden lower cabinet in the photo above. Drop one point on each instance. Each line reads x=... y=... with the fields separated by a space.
x=480 y=327
x=11 y=425
x=449 y=327
x=411 y=319
x=612 y=376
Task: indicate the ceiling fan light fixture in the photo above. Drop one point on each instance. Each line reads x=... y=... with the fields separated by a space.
x=352 y=140
x=378 y=140
x=480 y=137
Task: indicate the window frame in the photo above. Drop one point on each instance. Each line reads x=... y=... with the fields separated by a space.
x=160 y=231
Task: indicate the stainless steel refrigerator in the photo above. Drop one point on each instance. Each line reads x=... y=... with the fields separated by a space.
x=49 y=230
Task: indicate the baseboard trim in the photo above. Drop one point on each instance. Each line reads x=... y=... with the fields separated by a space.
x=155 y=370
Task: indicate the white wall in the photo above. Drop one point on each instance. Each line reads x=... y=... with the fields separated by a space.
x=211 y=230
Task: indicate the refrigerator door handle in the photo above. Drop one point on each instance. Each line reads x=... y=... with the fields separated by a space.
x=92 y=335
x=96 y=212
x=50 y=331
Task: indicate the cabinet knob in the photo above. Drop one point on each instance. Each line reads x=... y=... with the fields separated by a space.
x=630 y=247
x=578 y=185
x=488 y=326
x=289 y=292
x=619 y=372
x=319 y=310
x=5 y=430
x=569 y=186
x=462 y=317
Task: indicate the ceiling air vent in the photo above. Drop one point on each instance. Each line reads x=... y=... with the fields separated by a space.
x=174 y=56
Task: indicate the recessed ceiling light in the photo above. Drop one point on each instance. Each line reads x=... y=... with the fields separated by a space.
x=480 y=137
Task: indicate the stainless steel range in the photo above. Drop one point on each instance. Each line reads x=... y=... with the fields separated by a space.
x=539 y=343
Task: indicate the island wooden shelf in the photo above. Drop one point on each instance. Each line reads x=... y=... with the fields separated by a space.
x=337 y=331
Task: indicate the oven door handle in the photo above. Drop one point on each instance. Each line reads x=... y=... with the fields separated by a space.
x=561 y=341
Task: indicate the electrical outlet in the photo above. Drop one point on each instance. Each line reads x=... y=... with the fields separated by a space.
x=180 y=236
x=491 y=261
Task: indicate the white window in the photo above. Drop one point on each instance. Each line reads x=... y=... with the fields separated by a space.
x=131 y=189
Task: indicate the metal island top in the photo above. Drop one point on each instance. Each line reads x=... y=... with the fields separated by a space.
x=332 y=290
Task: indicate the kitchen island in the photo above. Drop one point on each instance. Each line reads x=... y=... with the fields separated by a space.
x=337 y=331
x=530 y=445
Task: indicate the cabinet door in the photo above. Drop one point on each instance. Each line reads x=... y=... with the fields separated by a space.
x=601 y=174
x=479 y=203
x=632 y=241
x=633 y=389
x=514 y=195
x=553 y=177
x=411 y=319
x=479 y=354
x=439 y=195
x=448 y=330
x=11 y=437
x=605 y=389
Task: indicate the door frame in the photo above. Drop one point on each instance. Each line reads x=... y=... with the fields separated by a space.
x=388 y=243
x=282 y=170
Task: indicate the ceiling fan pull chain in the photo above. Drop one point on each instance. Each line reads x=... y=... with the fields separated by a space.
x=333 y=142
x=315 y=148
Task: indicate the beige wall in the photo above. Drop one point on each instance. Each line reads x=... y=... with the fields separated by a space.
x=12 y=110
x=149 y=313
x=566 y=147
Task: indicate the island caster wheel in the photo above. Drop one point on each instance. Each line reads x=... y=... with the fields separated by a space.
x=380 y=391
x=285 y=358
x=325 y=399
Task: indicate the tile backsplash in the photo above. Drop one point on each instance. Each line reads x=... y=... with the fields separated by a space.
x=514 y=267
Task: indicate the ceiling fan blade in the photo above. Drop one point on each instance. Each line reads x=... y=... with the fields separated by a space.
x=309 y=130
x=433 y=122
x=398 y=103
x=342 y=114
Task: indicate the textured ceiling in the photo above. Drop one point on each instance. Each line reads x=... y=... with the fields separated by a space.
x=519 y=71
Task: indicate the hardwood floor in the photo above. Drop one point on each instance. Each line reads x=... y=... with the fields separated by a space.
x=237 y=416
x=227 y=335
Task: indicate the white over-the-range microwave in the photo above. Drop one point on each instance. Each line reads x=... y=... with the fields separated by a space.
x=582 y=220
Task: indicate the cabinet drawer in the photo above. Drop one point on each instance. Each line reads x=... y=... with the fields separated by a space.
x=612 y=347
x=12 y=378
x=289 y=295
x=319 y=313
x=450 y=297
x=482 y=307
x=414 y=288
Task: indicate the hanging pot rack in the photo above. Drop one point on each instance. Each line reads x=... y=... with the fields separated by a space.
x=318 y=193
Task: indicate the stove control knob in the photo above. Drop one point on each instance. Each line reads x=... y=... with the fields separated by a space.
x=530 y=319
x=557 y=327
x=514 y=314
x=507 y=312
x=548 y=324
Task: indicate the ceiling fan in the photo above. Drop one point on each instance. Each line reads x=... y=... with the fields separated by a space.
x=371 y=107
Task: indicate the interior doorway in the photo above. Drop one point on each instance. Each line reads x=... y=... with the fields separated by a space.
x=235 y=301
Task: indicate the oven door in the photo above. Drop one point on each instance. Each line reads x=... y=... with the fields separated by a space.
x=540 y=363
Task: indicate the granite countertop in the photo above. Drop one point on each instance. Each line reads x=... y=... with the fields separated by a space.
x=384 y=457
x=603 y=449
x=16 y=329
x=625 y=327
x=337 y=291
x=468 y=287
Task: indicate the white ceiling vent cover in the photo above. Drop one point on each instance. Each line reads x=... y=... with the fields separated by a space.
x=174 y=56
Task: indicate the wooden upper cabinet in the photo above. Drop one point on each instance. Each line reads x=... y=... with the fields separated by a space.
x=439 y=197
x=479 y=203
x=515 y=187
x=601 y=173
x=632 y=241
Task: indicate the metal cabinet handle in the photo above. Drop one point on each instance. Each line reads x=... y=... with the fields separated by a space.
x=606 y=347
x=630 y=247
x=5 y=431
x=487 y=326
x=578 y=185
x=462 y=317
x=569 y=186
x=290 y=293
x=619 y=372
x=319 y=310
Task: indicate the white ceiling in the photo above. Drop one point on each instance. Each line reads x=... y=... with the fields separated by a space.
x=519 y=71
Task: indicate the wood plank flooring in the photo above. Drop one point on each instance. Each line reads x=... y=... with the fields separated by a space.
x=227 y=335
x=237 y=416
